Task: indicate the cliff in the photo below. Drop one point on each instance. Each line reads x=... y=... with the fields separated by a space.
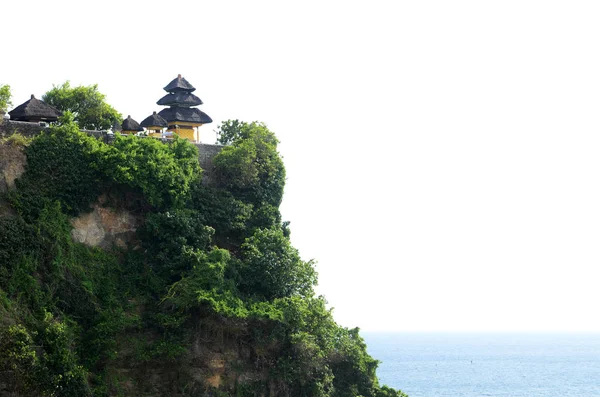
x=132 y=267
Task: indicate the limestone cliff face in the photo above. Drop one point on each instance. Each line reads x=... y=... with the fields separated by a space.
x=220 y=356
x=12 y=166
x=104 y=226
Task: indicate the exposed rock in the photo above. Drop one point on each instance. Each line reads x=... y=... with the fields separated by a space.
x=105 y=226
x=12 y=165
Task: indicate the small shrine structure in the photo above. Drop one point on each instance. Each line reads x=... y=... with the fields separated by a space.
x=130 y=126
x=35 y=110
x=154 y=124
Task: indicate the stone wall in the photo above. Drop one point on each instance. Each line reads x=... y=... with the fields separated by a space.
x=206 y=153
x=10 y=127
x=29 y=130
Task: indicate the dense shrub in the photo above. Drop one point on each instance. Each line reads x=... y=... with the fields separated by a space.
x=164 y=173
x=251 y=168
x=60 y=166
x=169 y=236
x=272 y=268
x=221 y=211
x=16 y=238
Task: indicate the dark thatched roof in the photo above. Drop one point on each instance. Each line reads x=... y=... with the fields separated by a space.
x=130 y=124
x=179 y=99
x=35 y=110
x=179 y=84
x=191 y=115
x=154 y=121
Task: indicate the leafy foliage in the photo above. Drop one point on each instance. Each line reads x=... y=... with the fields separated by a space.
x=67 y=165
x=272 y=268
x=221 y=210
x=49 y=272
x=16 y=140
x=86 y=103
x=251 y=168
x=163 y=173
x=16 y=237
x=230 y=131
x=5 y=96
x=60 y=166
x=171 y=237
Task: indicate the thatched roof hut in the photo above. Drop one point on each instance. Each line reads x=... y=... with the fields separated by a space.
x=130 y=125
x=154 y=120
x=35 y=110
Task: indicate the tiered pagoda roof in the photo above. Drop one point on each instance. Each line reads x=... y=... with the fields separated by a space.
x=181 y=104
x=190 y=115
x=179 y=84
x=179 y=99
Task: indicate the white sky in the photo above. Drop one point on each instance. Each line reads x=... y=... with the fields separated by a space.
x=443 y=156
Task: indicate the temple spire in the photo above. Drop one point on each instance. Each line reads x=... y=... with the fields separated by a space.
x=182 y=116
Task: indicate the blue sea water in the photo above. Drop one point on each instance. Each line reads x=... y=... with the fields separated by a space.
x=488 y=365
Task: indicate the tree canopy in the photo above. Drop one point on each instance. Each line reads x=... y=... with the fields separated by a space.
x=5 y=96
x=250 y=167
x=273 y=268
x=87 y=104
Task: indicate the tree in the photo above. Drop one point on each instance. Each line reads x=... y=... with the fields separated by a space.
x=164 y=173
x=59 y=167
x=251 y=168
x=86 y=103
x=230 y=131
x=5 y=95
x=272 y=268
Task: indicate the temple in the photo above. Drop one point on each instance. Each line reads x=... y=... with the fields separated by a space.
x=36 y=111
x=130 y=126
x=154 y=124
x=182 y=117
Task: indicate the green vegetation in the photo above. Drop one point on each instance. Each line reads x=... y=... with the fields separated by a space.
x=5 y=96
x=213 y=269
x=86 y=103
x=15 y=139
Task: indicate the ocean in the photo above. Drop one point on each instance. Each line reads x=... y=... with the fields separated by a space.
x=488 y=365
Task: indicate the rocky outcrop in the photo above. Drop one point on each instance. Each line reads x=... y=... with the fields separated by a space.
x=214 y=359
x=105 y=226
x=12 y=166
